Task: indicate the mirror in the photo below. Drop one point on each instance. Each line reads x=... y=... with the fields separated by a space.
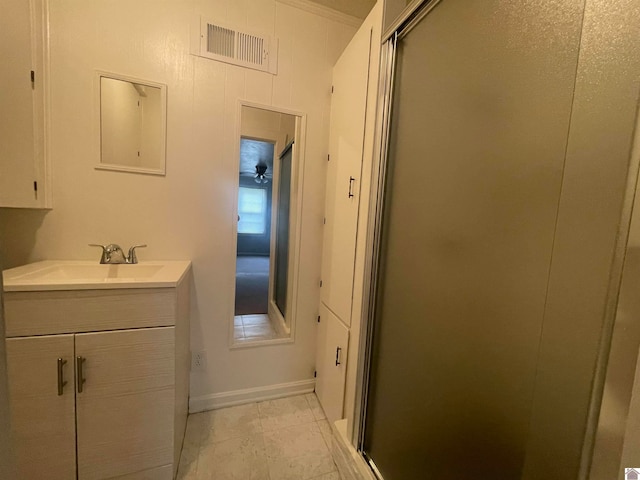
x=132 y=124
x=268 y=209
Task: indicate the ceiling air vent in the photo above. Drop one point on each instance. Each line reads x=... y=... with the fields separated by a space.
x=243 y=48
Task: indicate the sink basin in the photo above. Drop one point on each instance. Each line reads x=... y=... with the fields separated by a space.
x=73 y=275
x=92 y=272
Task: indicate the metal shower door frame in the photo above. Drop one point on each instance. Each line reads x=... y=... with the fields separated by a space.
x=409 y=18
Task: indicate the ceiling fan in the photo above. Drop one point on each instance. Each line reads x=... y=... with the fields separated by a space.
x=261 y=170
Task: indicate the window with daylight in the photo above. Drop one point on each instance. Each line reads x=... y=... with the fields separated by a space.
x=252 y=210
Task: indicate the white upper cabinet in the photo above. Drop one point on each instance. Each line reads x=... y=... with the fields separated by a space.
x=346 y=137
x=23 y=49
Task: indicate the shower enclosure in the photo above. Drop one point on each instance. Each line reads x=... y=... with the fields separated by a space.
x=504 y=164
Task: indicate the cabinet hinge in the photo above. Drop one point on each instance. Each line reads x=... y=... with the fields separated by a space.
x=33 y=79
x=315 y=374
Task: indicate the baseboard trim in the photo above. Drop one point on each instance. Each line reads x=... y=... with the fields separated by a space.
x=238 y=397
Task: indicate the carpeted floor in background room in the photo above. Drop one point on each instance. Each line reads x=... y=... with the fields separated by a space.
x=252 y=284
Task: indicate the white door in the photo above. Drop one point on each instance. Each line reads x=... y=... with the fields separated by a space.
x=42 y=406
x=346 y=137
x=331 y=363
x=126 y=407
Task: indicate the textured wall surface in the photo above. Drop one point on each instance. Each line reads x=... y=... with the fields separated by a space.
x=189 y=213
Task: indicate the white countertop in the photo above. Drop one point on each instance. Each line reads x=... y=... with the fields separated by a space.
x=88 y=275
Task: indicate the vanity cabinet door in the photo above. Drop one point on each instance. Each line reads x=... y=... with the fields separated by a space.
x=42 y=414
x=125 y=408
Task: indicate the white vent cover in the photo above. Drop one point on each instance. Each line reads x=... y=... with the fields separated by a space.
x=230 y=45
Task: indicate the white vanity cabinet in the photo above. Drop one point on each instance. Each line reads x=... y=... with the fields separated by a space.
x=123 y=418
x=98 y=381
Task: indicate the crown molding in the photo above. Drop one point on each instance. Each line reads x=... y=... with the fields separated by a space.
x=323 y=11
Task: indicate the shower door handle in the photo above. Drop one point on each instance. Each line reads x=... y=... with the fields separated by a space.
x=338 y=351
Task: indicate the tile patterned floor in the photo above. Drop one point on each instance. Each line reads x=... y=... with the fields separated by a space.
x=284 y=439
x=250 y=328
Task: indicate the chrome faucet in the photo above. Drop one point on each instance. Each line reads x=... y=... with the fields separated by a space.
x=113 y=254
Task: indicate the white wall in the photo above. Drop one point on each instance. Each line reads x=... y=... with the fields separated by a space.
x=268 y=125
x=151 y=139
x=189 y=213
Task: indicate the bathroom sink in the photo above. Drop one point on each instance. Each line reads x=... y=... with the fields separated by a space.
x=73 y=275
x=92 y=272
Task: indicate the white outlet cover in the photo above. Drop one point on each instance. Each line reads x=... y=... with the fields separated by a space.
x=198 y=360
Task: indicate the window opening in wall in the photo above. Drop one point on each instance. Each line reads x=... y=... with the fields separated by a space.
x=252 y=211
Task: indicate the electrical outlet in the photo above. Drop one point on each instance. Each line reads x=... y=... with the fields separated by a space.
x=198 y=361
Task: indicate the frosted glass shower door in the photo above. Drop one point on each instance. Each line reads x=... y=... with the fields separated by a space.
x=282 y=232
x=479 y=124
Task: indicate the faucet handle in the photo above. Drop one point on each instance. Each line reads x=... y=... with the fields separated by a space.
x=132 y=257
x=104 y=258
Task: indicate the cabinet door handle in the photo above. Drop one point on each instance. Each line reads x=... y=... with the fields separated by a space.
x=79 y=363
x=338 y=350
x=351 y=180
x=61 y=381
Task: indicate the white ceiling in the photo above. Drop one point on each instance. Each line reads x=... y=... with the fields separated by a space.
x=253 y=152
x=356 y=8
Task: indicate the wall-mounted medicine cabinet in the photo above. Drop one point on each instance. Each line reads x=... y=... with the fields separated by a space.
x=132 y=124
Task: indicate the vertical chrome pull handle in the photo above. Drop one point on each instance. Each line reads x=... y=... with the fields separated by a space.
x=79 y=363
x=338 y=350
x=351 y=180
x=61 y=381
